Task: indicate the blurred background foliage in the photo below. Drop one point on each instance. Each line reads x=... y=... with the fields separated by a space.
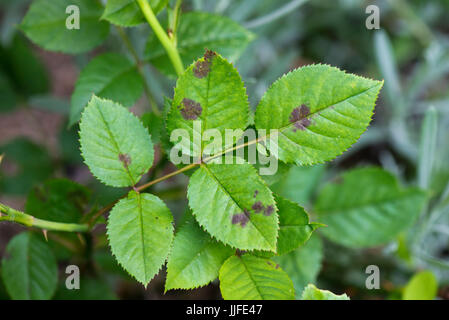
x=408 y=136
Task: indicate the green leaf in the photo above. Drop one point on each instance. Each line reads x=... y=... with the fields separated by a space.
x=303 y=264
x=45 y=25
x=320 y=112
x=251 y=278
x=29 y=268
x=234 y=205
x=140 y=233
x=127 y=13
x=422 y=286
x=300 y=183
x=294 y=226
x=59 y=200
x=114 y=143
x=313 y=293
x=195 y=258
x=212 y=92
x=26 y=71
x=366 y=207
x=32 y=163
x=111 y=76
x=196 y=31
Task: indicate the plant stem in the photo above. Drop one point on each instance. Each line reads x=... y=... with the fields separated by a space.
x=139 y=64
x=12 y=215
x=172 y=52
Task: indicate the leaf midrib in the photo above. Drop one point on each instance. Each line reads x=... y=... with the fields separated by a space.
x=235 y=202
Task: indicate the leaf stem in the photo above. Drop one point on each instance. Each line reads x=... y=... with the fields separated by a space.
x=172 y=51
x=12 y=215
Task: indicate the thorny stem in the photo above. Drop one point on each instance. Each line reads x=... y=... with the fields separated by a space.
x=139 y=64
x=169 y=46
x=12 y=215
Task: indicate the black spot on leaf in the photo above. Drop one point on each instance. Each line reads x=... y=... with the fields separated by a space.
x=299 y=117
x=268 y=210
x=202 y=68
x=125 y=159
x=258 y=207
x=241 y=218
x=256 y=193
x=191 y=110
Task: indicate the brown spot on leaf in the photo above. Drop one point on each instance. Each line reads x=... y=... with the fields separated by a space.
x=241 y=218
x=277 y=266
x=268 y=210
x=256 y=193
x=125 y=159
x=299 y=117
x=202 y=68
x=191 y=110
x=257 y=207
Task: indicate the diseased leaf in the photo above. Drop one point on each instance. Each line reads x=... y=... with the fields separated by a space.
x=114 y=143
x=127 y=13
x=140 y=233
x=251 y=278
x=313 y=293
x=195 y=258
x=320 y=112
x=212 y=92
x=59 y=200
x=303 y=264
x=110 y=76
x=45 y=25
x=422 y=286
x=197 y=31
x=234 y=205
x=29 y=268
x=366 y=207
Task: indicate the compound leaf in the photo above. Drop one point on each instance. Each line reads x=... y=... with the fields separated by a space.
x=313 y=293
x=140 y=233
x=114 y=143
x=111 y=76
x=234 y=205
x=320 y=112
x=212 y=92
x=196 y=31
x=251 y=278
x=366 y=207
x=29 y=268
x=45 y=25
x=195 y=258
x=127 y=13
